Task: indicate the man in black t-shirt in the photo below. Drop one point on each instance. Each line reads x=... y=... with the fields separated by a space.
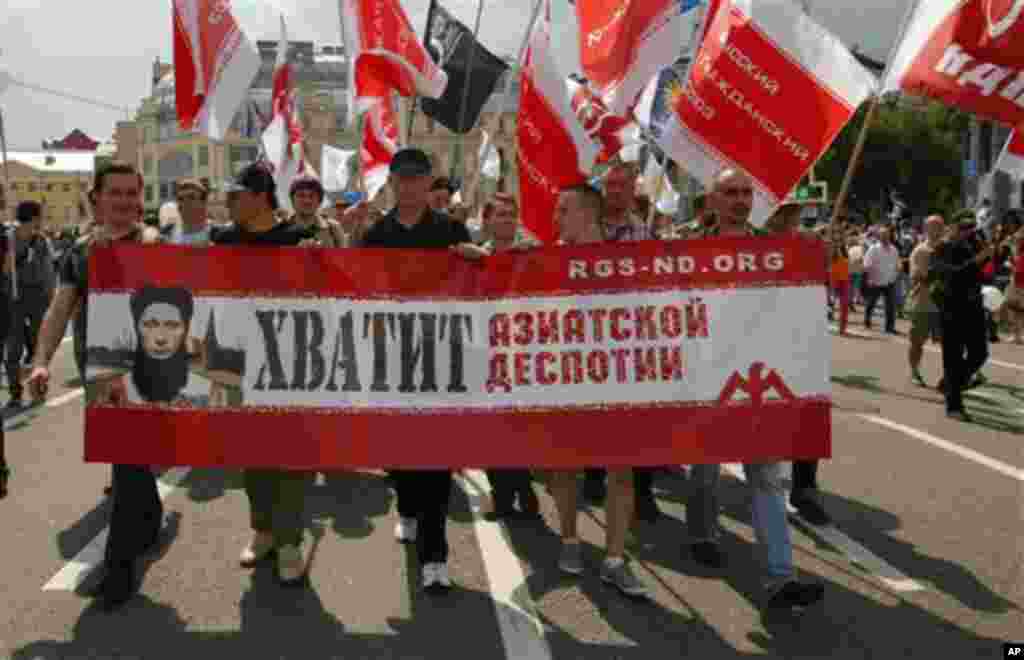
x=422 y=495
x=276 y=497
x=136 y=514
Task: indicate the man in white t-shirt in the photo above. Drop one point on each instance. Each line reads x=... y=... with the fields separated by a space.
x=881 y=270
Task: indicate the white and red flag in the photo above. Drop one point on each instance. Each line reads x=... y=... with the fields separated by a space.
x=282 y=139
x=624 y=43
x=768 y=92
x=385 y=55
x=1011 y=160
x=965 y=53
x=379 y=144
x=554 y=151
x=612 y=132
x=214 y=64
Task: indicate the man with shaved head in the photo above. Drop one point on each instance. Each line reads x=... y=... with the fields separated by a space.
x=731 y=198
x=925 y=320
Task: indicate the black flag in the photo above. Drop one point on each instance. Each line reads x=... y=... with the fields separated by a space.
x=465 y=61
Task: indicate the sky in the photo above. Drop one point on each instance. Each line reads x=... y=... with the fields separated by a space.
x=104 y=49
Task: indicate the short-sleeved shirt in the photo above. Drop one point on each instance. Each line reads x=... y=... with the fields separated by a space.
x=282 y=234
x=434 y=231
x=920 y=294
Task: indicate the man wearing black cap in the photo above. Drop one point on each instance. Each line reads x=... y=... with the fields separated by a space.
x=422 y=494
x=276 y=497
x=36 y=279
x=307 y=194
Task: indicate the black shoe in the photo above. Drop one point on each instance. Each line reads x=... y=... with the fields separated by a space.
x=5 y=474
x=810 y=509
x=707 y=554
x=796 y=594
x=116 y=588
x=960 y=416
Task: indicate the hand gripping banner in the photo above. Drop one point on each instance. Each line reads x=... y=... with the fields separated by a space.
x=622 y=355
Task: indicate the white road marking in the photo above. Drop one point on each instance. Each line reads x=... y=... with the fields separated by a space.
x=953 y=448
x=522 y=632
x=91 y=556
x=880 y=569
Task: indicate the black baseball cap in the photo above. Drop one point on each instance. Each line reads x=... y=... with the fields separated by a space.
x=255 y=178
x=411 y=162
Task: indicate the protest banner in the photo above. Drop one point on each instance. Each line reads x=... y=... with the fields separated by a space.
x=644 y=354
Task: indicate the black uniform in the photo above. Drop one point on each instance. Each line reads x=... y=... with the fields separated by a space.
x=136 y=513
x=963 y=317
x=422 y=494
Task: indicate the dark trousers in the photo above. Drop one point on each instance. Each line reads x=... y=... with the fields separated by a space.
x=424 y=495
x=27 y=311
x=136 y=515
x=873 y=293
x=506 y=484
x=964 y=349
x=5 y=325
x=805 y=475
x=643 y=480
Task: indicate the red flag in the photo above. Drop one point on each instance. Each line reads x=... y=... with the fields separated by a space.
x=612 y=132
x=282 y=138
x=554 y=152
x=1011 y=160
x=968 y=54
x=379 y=144
x=759 y=60
x=214 y=64
x=385 y=54
x=624 y=44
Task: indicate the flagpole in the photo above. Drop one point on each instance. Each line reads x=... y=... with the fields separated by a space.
x=492 y=126
x=465 y=92
x=858 y=149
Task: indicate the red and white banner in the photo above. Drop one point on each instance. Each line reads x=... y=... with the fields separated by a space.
x=624 y=44
x=645 y=354
x=612 y=132
x=965 y=53
x=385 y=54
x=378 y=146
x=214 y=64
x=282 y=139
x=1011 y=160
x=768 y=92
x=553 y=150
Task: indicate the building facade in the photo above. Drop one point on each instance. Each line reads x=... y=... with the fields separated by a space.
x=164 y=153
x=983 y=143
x=59 y=180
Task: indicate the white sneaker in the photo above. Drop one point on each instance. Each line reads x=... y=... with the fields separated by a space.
x=435 y=576
x=291 y=565
x=405 y=530
x=259 y=548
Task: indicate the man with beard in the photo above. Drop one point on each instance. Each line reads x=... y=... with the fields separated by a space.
x=136 y=514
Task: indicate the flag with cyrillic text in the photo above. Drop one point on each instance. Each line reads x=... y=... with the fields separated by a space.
x=612 y=132
x=769 y=91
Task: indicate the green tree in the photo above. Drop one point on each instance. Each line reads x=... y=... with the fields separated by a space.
x=912 y=146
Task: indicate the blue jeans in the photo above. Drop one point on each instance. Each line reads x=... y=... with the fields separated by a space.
x=768 y=510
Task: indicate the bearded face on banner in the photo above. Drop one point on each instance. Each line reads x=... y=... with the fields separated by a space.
x=162 y=318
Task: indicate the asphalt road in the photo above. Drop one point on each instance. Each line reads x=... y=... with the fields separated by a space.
x=925 y=560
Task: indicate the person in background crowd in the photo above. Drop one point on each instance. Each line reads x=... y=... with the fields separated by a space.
x=881 y=270
x=578 y=220
x=307 y=194
x=925 y=319
x=415 y=223
x=276 y=497
x=957 y=262
x=855 y=254
x=136 y=513
x=194 y=228
x=839 y=275
x=36 y=280
x=342 y=203
x=1013 y=308
x=509 y=486
x=731 y=197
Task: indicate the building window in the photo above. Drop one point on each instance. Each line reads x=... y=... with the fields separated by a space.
x=149 y=193
x=67 y=187
x=204 y=156
x=15 y=186
x=164 y=191
x=31 y=187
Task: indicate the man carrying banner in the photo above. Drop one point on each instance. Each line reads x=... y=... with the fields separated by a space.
x=731 y=198
x=276 y=497
x=137 y=512
x=422 y=495
x=194 y=229
x=578 y=219
x=307 y=194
